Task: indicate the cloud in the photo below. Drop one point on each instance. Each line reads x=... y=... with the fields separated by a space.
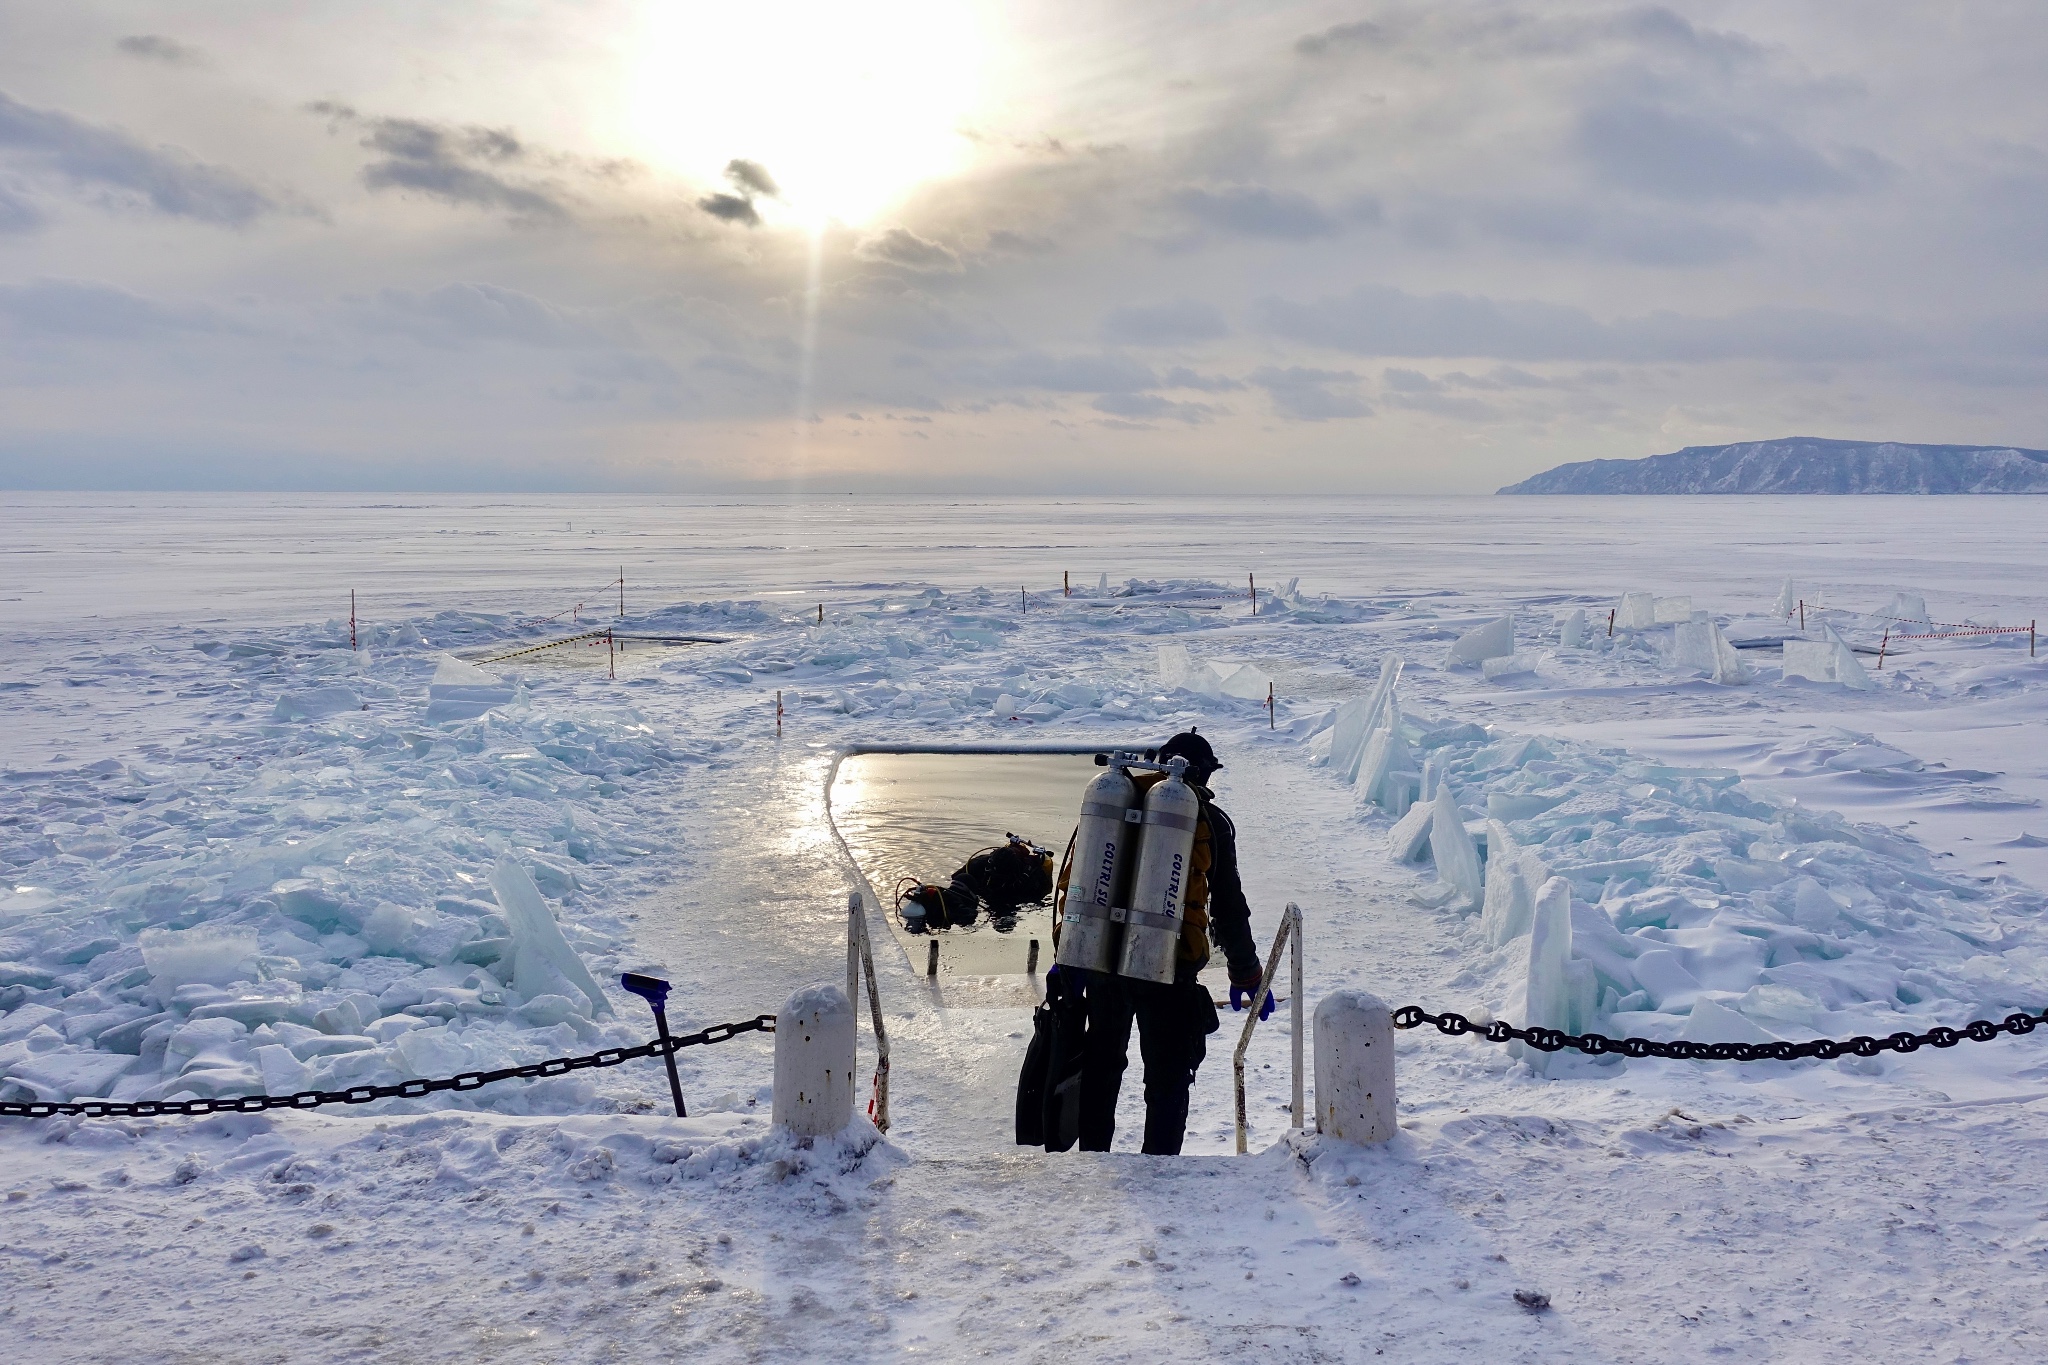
x=1019 y=243
x=446 y=163
x=1442 y=35
x=1379 y=320
x=751 y=177
x=1605 y=231
x=731 y=208
x=1166 y=324
x=899 y=246
x=1363 y=33
x=81 y=308
x=1254 y=211
x=1419 y=393
x=1310 y=395
x=913 y=317
x=1689 y=158
x=1069 y=374
x=1410 y=381
x=165 y=179
x=1148 y=405
x=154 y=47
x=748 y=178
x=1181 y=377
x=17 y=212
x=455 y=313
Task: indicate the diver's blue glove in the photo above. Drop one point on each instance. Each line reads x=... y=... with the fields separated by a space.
x=1239 y=995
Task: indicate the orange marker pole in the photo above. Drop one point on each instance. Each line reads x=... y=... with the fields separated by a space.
x=351 y=619
x=611 y=653
x=1883 y=645
x=1802 y=616
x=778 y=713
x=1271 y=724
x=622 y=592
x=1610 y=623
x=1253 y=580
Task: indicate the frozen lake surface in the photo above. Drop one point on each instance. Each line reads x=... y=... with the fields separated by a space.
x=261 y=557
x=243 y=856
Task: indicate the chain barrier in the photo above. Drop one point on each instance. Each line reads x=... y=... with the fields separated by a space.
x=1594 y=1044
x=364 y=1094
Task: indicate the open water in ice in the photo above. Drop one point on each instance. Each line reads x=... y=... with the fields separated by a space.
x=923 y=815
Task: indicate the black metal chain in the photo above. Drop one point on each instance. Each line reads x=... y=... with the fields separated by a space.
x=1556 y=1040
x=363 y=1094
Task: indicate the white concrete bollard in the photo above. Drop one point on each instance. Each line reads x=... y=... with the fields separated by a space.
x=814 y=1057
x=1355 y=1067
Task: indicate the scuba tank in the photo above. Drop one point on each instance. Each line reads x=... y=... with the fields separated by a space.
x=1089 y=932
x=1152 y=921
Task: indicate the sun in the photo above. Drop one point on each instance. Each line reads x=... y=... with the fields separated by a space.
x=847 y=107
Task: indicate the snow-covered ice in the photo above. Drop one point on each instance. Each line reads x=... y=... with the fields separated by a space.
x=243 y=856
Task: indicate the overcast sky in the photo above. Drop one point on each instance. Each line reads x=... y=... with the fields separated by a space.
x=1045 y=245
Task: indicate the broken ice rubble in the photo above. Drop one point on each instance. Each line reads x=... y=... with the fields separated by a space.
x=1641 y=898
x=326 y=895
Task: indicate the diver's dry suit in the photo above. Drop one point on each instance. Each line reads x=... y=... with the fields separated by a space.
x=1174 y=1019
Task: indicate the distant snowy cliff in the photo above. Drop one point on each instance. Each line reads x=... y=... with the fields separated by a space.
x=1805 y=465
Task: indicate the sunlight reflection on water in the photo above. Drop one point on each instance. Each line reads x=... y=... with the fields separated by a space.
x=921 y=815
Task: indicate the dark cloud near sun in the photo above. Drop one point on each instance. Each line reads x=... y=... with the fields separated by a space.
x=748 y=179
x=751 y=177
x=731 y=208
x=119 y=170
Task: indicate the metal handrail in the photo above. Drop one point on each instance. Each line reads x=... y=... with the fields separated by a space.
x=1289 y=937
x=860 y=961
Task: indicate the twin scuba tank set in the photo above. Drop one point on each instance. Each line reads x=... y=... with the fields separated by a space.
x=1133 y=855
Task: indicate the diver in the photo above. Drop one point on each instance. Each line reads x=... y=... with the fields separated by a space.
x=1002 y=879
x=1174 y=1019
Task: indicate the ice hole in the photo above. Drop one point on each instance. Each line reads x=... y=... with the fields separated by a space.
x=922 y=815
